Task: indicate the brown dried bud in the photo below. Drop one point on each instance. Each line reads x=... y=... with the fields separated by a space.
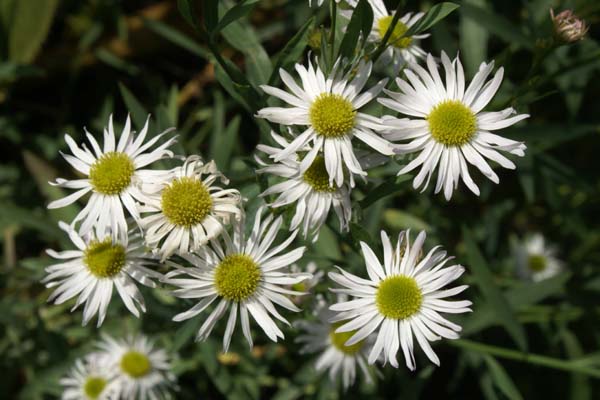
x=567 y=27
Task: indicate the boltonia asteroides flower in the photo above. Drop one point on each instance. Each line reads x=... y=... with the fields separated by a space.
x=536 y=260
x=243 y=275
x=447 y=126
x=402 y=299
x=113 y=175
x=89 y=379
x=328 y=107
x=100 y=264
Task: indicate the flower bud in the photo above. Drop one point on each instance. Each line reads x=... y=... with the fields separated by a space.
x=567 y=27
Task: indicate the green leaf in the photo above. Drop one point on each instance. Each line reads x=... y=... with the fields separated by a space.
x=29 y=26
x=233 y=14
x=473 y=40
x=136 y=109
x=176 y=37
x=222 y=144
x=291 y=51
x=360 y=234
x=387 y=188
x=431 y=17
x=501 y=379
x=402 y=220
x=189 y=12
x=360 y=22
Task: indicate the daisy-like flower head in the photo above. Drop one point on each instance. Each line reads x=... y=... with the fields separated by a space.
x=310 y=190
x=245 y=275
x=329 y=109
x=340 y=360
x=447 y=126
x=113 y=176
x=536 y=260
x=90 y=379
x=402 y=299
x=99 y=264
x=307 y=284
x=142 y=370
x=188 y=208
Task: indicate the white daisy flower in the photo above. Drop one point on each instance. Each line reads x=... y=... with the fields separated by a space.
x=447 y=127
x=113 y=176
x=329 y=109
x=188 y=208
x=99 y=264
x=90 y=379
x=536 y=260
x=340 y=360
x=245 y=275
x=310 y=190
x=142 y=370
x=401 y=299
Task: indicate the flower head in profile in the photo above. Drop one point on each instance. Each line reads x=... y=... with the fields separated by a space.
x=403 y=299
x=242 y=275
x=536 y=260
x=89 y=379
x=188 y=208
x=99 y=265
x=310 y=190
x=568 y=28
x=446 y=124
x=328 y=109
x=142 y=370
x=113 y=175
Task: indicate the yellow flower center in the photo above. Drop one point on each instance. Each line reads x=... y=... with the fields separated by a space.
x=317 y=177
x=537 y=262
x=111 y=173
x=237 y=277
x=452 y=123
x=398 y=297
x=186 y=202
x=331 y=115
x=135 y=364
x=94 y=386
x=339 y=338
x=396 y=38
x=103 y=258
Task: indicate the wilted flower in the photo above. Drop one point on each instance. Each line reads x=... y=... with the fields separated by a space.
x=567 y=27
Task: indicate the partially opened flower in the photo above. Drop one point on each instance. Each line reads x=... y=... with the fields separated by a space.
x=245 y=275
x=89 y=379
x=536 y=260
x=113 y=175
x=446 y=124
x=403 y=299
x=328 y=108
x=100 y=264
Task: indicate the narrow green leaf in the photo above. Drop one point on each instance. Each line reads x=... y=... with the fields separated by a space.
x=136 y=109
x=176 y=37
x=291 y=51
x=501 y=379
x=473 y=40
x=360 y=234
x=31 y=21
x=387 y=188
x=361 y=21
x=233 y=14
x=222 y=145
x=189 y=12
x=401 y=220
x=431 y=17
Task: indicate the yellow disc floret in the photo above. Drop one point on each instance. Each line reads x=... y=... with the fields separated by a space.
x=94 y=386
x=237 y=277
x=452 y=123
x=398 y=297
x=331 y=115
x=186 y=202
x=396 y=39
x=317 y=177
x=537 y=262
x=135 y=364
x=339 y=338
x=103 y=258
x=111 y=173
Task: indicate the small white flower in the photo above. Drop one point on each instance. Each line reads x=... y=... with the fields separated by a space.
x=142 y=370
x=113 y=176
x=89 y=379
x=245 y=275
x=329 y=109
x=188 y=208
x=99 y=264
x=307 y=284
x=536 y=260
x=310 y=190
x=447 y=126
x=401 y=299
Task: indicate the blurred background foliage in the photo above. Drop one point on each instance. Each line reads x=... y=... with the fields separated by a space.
x=68 y=64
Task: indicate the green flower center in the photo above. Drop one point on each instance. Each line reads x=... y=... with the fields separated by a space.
x=452 y=123
x=398 y=297
x=103 y=258
x=237 y=277
x=396 y=38
x=331 y=115
x=94 y=386
x=111 y=173
x=537 y=262
x=317 y=177
x=339 y=338
x=135 y=364
x=186 y=202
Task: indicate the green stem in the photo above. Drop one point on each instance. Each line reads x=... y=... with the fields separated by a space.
x=333 y=12
x=535 y=359
x=382 y=45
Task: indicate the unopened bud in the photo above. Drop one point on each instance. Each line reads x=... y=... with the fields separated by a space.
x=567 y=27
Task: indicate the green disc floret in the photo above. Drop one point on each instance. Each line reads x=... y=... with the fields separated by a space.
x=237 y=277
x=537 y=262
x=339 y=338
x=398 y=297
x=135 y=364
x=396 y=39
x=103 y=258
x=186 y=202
x=111 y=173
x=93 y=387
x=452 y=123
x=317 y=177
x=331 y=115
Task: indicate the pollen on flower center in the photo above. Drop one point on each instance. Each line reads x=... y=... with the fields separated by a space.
x=317 y=177
x=237 y=277
x=339 y=338
x=94 y=386
x=111 y=173
x=398 y=297
x=186 y=202
x=537 y=262
x=396 y=39
x=135 y=364
x=331 y=115
x=103 y=258
x=452 y=123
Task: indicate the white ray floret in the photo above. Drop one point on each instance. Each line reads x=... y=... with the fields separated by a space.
x=446 y=124
x=536 y=260
x=403 y=299
x=89 y=379
x=113 y=175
